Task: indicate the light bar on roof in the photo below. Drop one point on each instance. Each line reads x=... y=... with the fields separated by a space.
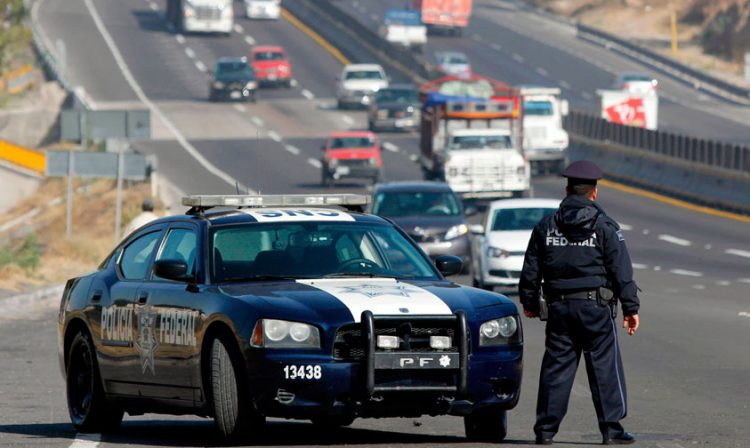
x=275 y=200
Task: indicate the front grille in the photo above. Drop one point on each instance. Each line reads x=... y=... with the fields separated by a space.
x=207 y=13
x=515 y=275
x=355 y=162
x=479 y=172
x=349 y=344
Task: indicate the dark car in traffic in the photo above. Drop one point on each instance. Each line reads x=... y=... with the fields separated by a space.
x=429 y=212
x=233 y=79
x=395 y=107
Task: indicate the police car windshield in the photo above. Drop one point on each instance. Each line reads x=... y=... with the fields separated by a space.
x=481 y=142
x=305 y=248
x=399 y=204
x=519 y=218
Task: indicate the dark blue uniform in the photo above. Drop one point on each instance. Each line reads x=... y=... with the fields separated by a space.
x=570 y=255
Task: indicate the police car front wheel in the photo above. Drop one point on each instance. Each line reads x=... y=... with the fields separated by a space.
x=87 y=403
x=486 y=425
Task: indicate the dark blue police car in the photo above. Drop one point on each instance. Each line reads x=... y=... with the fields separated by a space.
x=290 y=306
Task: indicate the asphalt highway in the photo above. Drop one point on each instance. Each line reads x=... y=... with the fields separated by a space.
x=686 y=369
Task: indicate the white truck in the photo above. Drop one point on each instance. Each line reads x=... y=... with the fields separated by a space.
x=473 y=146
x=263 y=9
x=404 y=27
x=201 y=16
x=545 y=142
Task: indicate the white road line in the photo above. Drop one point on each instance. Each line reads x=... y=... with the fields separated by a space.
x=657 y=268
x=86 y=441
x=674 y=240
x=626 y=227
x=723 y=282
x=646 y=231
x=308 y=94
x=686 y=273
x=707 y=247
x=201 y=66
x=390 y=147
x=743 y=314
x=699 y=287
x=292 y=149
x=155 y=110
x=564 y=85
x=249 y=40
x=640 y=266
x=542 y=71
x=518 y=58
x=274 y=136
x=496 y=47
x=293 y=82
x=240 y=107
x=238 y=28
x=189 y=52
x=587 y=96
x=314 y=162
x=347 y=119
x=738 y=252
x=744 y=280
x=476 y=37
x=257 y=121
x=180 y=38
x=414 y=157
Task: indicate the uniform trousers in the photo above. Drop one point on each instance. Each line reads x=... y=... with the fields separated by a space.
x=575 y=326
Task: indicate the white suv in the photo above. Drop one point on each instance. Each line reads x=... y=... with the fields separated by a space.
x=357 y=84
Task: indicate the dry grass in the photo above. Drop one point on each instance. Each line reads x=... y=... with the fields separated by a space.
x=93 y=231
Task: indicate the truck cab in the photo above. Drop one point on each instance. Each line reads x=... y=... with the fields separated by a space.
x=545 y=140
x=201 y=16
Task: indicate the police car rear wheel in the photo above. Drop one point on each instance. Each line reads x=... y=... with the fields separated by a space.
x=233 y=416
x=486 y=425
x=87 y=404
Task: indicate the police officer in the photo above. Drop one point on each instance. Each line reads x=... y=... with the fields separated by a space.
x=571 y=255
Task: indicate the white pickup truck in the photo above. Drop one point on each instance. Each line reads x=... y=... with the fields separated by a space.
x=545 y=140
x=404 y=27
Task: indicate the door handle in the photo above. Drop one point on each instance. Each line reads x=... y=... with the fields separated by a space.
x=96 y=295
x=142 y=297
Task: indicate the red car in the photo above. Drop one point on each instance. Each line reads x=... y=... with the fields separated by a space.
x=351 y=155
x=271 y=65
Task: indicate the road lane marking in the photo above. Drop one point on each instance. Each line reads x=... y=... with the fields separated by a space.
x=496 y=47
x=476 y=37
x=86 y=441
x=518 y=58
x=189 y=52
x=723 y=282
x=308 y=94
x=240 y=107
x=238 y=28
x=626 y=227
x=180 y=38
x=314 y=162
x=657 y=268
x=646 y=231
x=155 y=110
x=640 y=266
x=699 y=287
x=738 y=252
x=249 y=40
x=743 y=314
x=744 y=280
x=257 y=121
x=686 y=273
x=201 y=66
x=347 y=119
x=292 y=149
x=707 y=247
x=674 y=240
x=390 y=147
x=414 y=157
x=333 y=51
x=542 y=71
x=274 y=136
x=293 y=83
x=565 y=85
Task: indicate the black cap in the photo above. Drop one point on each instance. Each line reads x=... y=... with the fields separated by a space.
x=582 y=172
x=147 y=205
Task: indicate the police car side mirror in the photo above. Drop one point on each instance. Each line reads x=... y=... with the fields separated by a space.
x=449 y=264
x=172 y=270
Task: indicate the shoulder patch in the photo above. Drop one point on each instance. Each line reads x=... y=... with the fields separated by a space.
x=620 y=236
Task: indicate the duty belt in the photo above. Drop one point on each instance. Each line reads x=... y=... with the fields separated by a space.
x=555 y=296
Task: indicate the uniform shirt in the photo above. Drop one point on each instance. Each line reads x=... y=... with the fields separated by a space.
x=578 y=247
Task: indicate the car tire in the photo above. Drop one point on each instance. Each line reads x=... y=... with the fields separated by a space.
x=486 y=425
x=233 y=415
x=88 y=406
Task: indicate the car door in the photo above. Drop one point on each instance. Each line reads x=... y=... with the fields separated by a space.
x=169 y=322
x=114 y=297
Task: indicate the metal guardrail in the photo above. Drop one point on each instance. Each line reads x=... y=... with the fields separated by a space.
x=690 y=149
x=696 y=78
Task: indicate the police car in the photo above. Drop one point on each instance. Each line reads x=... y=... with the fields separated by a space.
x=290 y=306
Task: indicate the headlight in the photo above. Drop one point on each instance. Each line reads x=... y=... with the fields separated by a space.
x=273 y=333
x=499 y=331
x=251 y=85
x=218 y=84
x=456 y=231
x=496 y=252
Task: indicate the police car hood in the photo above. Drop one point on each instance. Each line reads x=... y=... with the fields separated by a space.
x=342 y=300
x=576 y=218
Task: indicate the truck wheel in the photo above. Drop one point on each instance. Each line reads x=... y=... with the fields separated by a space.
x=87 y=404
x=486 y=425
x=232 y=412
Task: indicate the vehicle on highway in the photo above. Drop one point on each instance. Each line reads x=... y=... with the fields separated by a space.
x=453 y=63
x=271 y=65
x=358 y=83
x=262 y=9
x=471 y=142
x=201 y=16
x=289 y=306
x=545 y=141
x=404 y=27
x=429 y=212
x=351 y=154
x=441 y=15
x=233 y=79
x=637 y=83
x=395 y=107
x=500 y=242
